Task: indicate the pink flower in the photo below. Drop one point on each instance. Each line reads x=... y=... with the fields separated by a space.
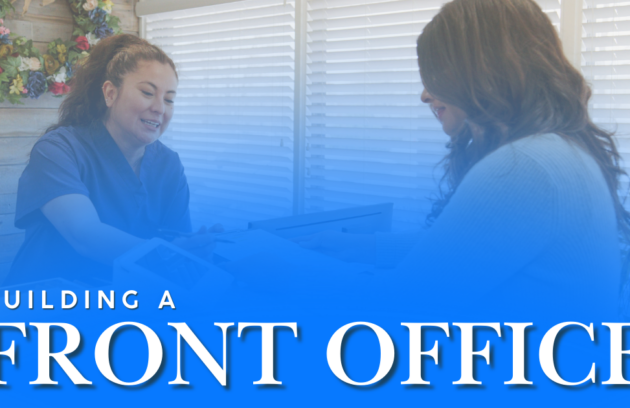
x=82 y=43
x=25 y=91
x=4 y=31
x=59 y=88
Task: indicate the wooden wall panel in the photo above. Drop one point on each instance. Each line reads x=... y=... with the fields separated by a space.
x=9 y=245
x=4 y=270
x=40 y=29
x=15 y=150
x=27 y=122
x=9 y=176
x=46 y=23
x=7 y=216
x=21 y=125
x=44 y=30
x=58 y=9
x=7 y=203
x=46 y=101
x=6 y=225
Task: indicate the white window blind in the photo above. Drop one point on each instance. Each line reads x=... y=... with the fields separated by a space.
x=369 y=138
x=606 y=66
x=553 y=9
x=233 y=122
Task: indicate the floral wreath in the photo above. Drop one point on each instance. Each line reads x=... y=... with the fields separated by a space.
x=24 y=72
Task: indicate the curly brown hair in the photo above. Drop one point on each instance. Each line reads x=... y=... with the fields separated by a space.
x=110 y=60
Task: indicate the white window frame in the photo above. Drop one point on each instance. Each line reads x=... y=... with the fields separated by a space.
x=571 y=30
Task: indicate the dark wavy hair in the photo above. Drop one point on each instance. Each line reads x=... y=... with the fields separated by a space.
x=501 y=62
x=110 y=60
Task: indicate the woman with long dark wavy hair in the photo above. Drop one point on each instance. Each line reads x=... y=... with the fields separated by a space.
x=99 y=182
x=530 y=206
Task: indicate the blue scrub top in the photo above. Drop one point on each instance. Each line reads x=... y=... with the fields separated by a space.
x=86 y=160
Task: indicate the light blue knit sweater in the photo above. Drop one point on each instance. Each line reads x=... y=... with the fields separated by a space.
x=534 y=218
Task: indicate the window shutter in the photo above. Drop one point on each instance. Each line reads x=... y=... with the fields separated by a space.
x=369 y=138
x=553 y=9
x=233 y=122
x=606 y=66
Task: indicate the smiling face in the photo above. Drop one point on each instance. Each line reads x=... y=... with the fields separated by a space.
x=140 y=110
x=452 y=118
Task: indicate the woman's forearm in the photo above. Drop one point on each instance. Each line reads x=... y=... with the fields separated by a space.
x=76 y=219
x=104 y=243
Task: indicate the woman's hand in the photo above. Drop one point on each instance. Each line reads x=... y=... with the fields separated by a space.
x=343 y=246
x=200 y=244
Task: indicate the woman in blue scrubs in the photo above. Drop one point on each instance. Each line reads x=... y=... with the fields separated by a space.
x=99 y=182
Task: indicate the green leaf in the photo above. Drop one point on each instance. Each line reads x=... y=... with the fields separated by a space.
x=15 y=99
x=8 y=69
x=81 y=21
x=4 y=77
x=6 y=8
x=14 y=61
x=73 y=56
x=78 y=32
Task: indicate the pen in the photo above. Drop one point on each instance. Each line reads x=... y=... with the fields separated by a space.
x=224 y=241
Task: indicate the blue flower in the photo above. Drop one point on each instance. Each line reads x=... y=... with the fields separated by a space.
x=97 y=15
x=69 y=70
x=36 y=84
x=4 y=39
x=103 y=31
